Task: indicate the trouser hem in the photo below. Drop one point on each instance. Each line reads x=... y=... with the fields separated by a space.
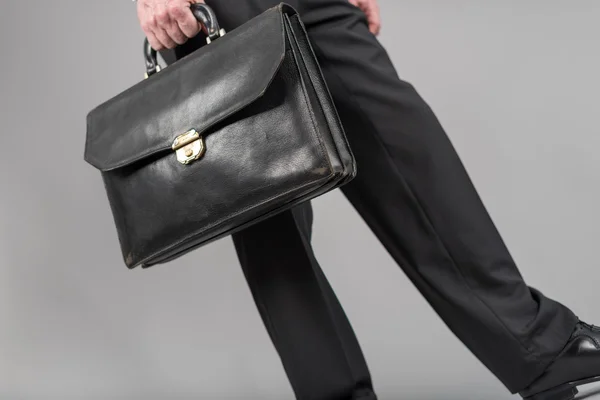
x=545 y=361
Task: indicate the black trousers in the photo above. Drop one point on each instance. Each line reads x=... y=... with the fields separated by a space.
x=414 y=193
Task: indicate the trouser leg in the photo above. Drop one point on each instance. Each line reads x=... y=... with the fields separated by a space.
x=414 y=193
x=305 y=321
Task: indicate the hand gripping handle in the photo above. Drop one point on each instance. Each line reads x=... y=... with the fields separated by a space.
x=209 y=24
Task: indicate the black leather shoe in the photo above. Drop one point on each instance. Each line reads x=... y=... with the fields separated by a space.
x=577 y=364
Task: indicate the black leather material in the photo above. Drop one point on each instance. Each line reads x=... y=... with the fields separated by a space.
x=579 y=362
x=207 y=18
x=273 y=139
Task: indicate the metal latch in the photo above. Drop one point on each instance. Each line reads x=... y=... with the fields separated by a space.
x=189 y=146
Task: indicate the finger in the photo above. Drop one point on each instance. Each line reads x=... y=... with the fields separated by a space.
x=147 y=20
x=353 y=2
x=161 y=14
x=176 y=34
x=374 y=17
x=148 y=24
x=161 y=19
x=164 y=38
x=374 y=26
x=187 y=23
x=154 y=42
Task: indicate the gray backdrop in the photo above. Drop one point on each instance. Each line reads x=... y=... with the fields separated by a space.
x=516 y=85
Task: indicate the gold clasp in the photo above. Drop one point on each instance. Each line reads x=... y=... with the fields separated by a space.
x=189 y=146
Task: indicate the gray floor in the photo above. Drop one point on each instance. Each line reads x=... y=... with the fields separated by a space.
x=516 y=85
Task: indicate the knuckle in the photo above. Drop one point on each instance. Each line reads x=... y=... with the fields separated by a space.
x=162 y=16
x=151 y=22
x=175 y=9
x=146 y=27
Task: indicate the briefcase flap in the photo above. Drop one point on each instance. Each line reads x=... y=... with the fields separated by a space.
x=196 y=92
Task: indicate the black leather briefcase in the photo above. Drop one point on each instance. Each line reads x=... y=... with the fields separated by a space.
x=237 y=131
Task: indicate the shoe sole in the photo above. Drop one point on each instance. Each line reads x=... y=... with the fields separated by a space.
x=567 y=391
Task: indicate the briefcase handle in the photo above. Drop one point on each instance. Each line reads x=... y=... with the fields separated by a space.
x=210 y=26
